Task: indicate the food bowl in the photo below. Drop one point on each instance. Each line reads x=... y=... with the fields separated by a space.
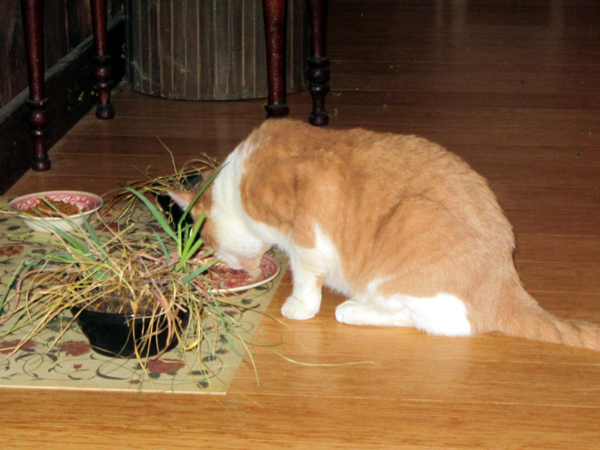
x=85 y=202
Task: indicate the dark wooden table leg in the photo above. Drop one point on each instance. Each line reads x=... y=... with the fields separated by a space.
x=103 y=69
x=274 y=12
x=33 y=25
x=318 y=63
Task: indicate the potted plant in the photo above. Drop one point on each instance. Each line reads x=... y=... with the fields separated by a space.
x=146 y=287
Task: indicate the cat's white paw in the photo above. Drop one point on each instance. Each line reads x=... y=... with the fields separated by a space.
x=297 y=309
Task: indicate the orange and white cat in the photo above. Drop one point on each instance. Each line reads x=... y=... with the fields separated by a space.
x=402 y=227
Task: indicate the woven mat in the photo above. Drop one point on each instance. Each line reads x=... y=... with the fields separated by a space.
x=71 y=364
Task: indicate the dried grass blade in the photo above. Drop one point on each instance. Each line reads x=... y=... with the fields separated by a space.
x=175 y=170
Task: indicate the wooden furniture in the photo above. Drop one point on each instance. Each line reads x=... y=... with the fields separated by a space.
x=274 y=15
x=318 y=75
x=103 y=69
x=33 y=24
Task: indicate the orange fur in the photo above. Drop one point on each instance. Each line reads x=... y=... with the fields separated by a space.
x=399 y=209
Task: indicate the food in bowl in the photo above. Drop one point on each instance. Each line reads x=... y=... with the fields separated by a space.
x=73 y=206
x=54 y=208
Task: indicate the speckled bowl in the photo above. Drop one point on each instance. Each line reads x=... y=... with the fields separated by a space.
x=46 y=224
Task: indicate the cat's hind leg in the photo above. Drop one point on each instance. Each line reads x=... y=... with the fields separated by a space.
x=361 y=312
x=368 y=309
x=443 y=314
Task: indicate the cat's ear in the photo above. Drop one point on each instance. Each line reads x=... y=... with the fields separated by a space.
x=182 y=198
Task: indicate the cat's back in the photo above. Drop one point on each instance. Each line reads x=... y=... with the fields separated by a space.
x=339 y=175
x=358 y=156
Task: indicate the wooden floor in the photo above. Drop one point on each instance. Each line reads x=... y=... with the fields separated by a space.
x=513 y=87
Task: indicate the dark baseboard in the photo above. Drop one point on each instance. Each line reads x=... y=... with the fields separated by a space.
x=70 y=86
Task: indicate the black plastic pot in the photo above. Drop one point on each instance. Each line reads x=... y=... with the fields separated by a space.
x=113 y=334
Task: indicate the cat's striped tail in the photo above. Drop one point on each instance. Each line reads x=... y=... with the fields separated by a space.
x=530 y=321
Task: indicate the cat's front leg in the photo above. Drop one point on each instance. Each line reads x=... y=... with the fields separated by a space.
x=305 y=301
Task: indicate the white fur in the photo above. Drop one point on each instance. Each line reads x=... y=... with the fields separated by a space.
x=443 y=314
x=236 y=231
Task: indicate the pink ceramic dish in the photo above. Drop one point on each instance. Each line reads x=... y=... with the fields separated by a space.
x=230 y=280
x=83 y=200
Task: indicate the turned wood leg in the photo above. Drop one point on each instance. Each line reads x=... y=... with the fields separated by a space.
x=33 y=25
x=274 y=13
x=103 y=68
x=318 y=63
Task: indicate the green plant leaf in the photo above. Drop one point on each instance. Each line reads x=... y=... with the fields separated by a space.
x=95 y=238
x=75 y=245
x=164 y=224
x=23 y=267
x=163 y=247
x=194 y=249
x=186 y=254
x=195 y=273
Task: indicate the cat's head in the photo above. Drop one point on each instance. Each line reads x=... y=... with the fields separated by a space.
x=221 y=232
x=202 y=207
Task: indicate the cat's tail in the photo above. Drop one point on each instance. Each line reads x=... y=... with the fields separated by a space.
x=527 y=319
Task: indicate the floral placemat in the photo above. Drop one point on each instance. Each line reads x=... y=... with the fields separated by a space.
x=72 y=364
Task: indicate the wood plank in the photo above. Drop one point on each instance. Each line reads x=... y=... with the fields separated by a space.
x=304 y=423
x=189 y=46
x=77 y=20
x=165 y=37
x=12 y=46
x=448 y=126
x=153 y=46
x=146 y=145
x=559 y=276
x=549 y=198
x=560 y=222
x=355 y=93
x=475 y=80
